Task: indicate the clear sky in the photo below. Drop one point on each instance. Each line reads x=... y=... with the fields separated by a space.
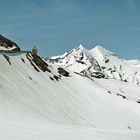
x=56 y=26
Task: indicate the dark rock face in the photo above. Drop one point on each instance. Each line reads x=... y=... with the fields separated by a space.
x=37 y=62
x=63 y=72
x=8 y=44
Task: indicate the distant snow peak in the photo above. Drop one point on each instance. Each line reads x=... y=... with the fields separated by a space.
x=99 y=50
x=100 y=63
x=79 y=46
x=77 y=49
x=99 y=47
x=80 y=60
x=98 y=53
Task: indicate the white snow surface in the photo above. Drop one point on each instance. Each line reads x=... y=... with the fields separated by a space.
x=2 y=48
x=36 y=106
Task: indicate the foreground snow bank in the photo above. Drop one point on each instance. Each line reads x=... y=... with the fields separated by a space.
x=12 y=130
x=37 y=101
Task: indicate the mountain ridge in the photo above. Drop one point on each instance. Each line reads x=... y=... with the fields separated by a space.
x=100 y=60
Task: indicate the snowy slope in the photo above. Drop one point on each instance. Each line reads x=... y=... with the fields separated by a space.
x=40 y=95
x=38 y=100
x=100 y=63
x=115 y=67
x=83 y=94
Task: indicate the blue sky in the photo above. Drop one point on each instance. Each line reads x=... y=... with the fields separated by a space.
x=56 y=26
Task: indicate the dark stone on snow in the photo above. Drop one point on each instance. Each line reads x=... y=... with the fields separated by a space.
x=37 y=62
x=23 y=60
x=121 y=96
x=56 y=78
x=7 y=58
x=63 y=72
x=51 y=78
x=138 y=101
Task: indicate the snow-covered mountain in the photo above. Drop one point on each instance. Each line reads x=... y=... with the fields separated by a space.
x=100 y=63
x=41 y=100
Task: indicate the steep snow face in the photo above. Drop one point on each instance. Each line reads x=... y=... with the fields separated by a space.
x=115 y=67
x=40 y=99
x=134 y=64
x=7 y=45
x=100 y=53
x=100 y=61
x=40 y=90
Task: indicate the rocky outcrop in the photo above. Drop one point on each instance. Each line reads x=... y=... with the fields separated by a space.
x=8 y=45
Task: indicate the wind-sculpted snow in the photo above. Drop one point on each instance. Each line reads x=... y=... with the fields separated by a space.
x=41 y=100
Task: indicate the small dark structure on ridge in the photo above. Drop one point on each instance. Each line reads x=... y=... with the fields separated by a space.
x=34 y=51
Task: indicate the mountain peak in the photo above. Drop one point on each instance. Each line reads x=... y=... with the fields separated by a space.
x=79 y=46
x=99 y=47
x=100 y=52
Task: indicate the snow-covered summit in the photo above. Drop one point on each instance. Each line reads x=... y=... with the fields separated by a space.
x=80 y=60
x=79 y=46
x=8 y=45
x=100 y=53
x=98 y=62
